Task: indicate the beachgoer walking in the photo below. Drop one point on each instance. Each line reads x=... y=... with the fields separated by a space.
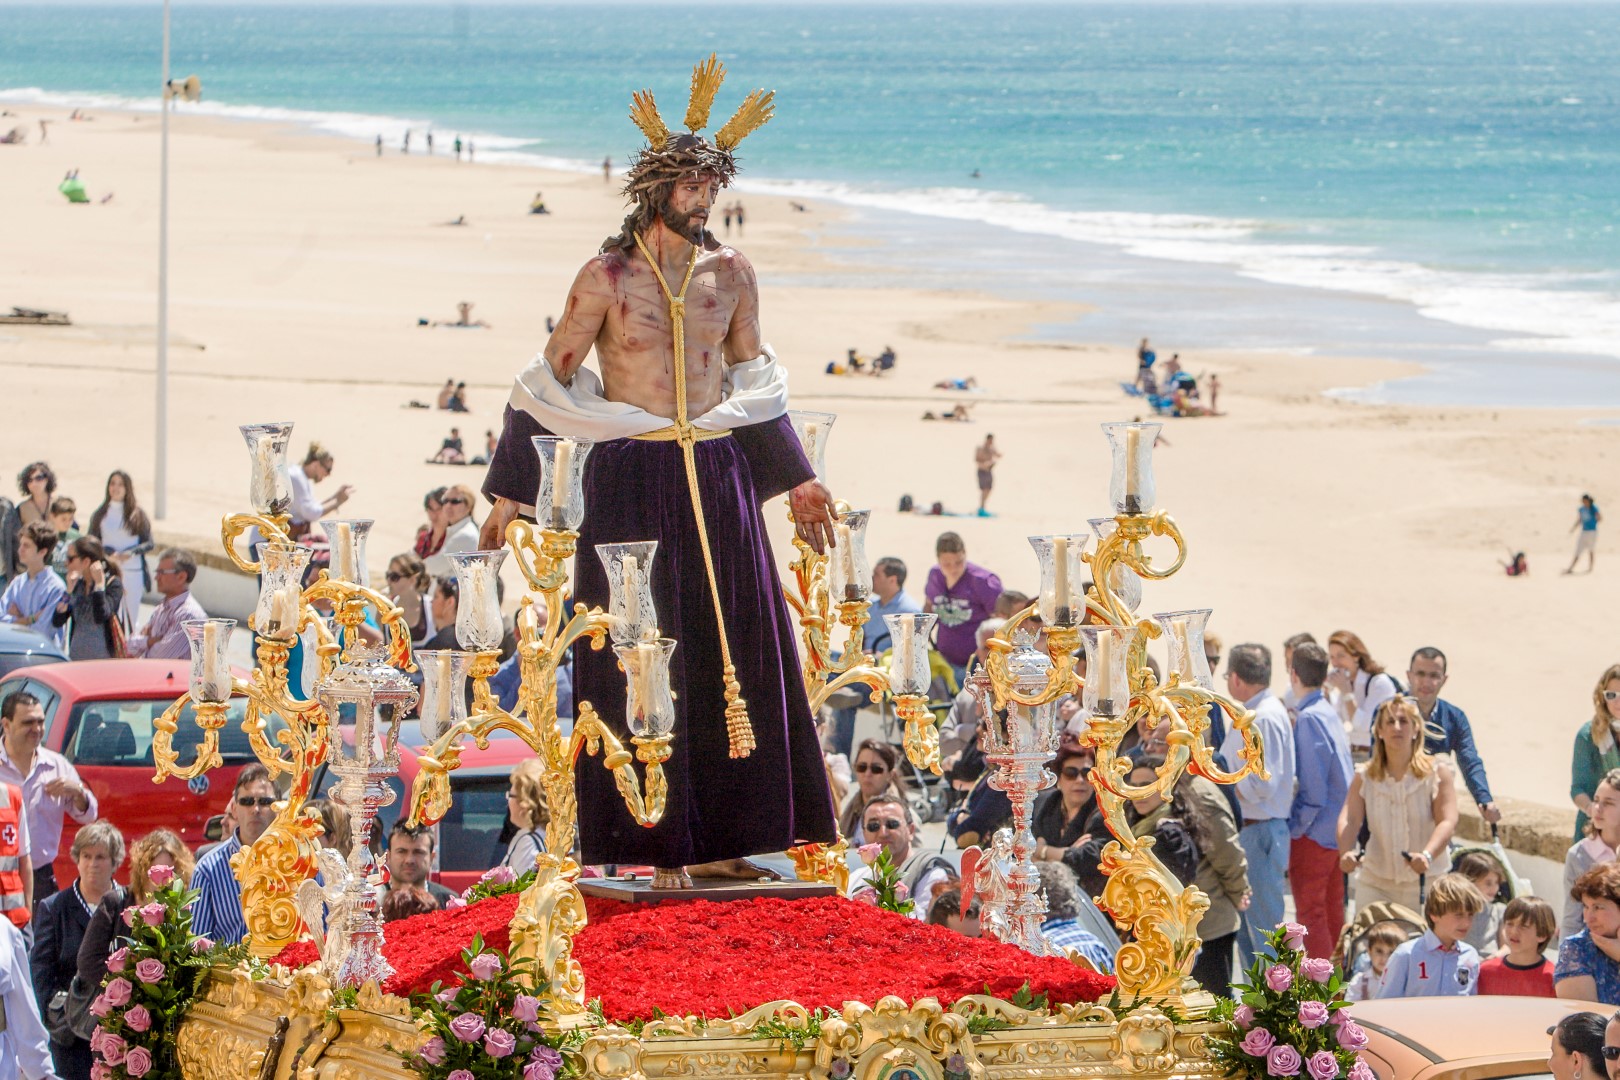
x=469 y=151
x=607 y=170
x=1587 y=517
x=430 y=143
x=126 y=533
x=727 y=219
x=1144 y=365
x=406 y=148
x=379 y=146
x=985 y=457
x=737 y=210
x=458 y=147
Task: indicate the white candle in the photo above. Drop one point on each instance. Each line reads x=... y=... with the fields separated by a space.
x=632 y=594
x=812 y=432
x=562 y=465
x=1179 y=628
x=213 y=684
x=646 y=651
x=908 y=627
x=846 y=560
x=345 y=551
x=284 y=611
x=1060 y=587
x=441 y=692
x=1104 y=675
x=484 y=609
x=1133 y=449
x=264 y=473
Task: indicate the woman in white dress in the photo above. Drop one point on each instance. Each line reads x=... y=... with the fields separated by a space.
x=1362 y=686
x=126 y=533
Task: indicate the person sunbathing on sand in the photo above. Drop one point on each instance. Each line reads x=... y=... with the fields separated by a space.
x=463 y=318
x=969 y=383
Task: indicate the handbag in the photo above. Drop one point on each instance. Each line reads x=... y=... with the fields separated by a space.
x=117 y=641
x=68 y=1017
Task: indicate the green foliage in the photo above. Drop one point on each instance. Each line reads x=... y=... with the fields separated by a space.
x=788 y=1034
x=498 y=882
x=884 y=888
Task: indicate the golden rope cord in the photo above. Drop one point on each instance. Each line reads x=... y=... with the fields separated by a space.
x=739 y=731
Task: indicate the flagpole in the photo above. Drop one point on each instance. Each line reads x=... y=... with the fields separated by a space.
x=161 y=476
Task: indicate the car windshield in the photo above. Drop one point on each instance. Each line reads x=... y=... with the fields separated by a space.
x=473 y=834
x=10 y=662
x=119 y=732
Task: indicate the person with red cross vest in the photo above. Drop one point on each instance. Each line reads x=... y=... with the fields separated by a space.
x=16 y=875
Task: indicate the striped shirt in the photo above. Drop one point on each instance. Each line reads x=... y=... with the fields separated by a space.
x=164 y=637
x=217 y=912
x=1070 y=934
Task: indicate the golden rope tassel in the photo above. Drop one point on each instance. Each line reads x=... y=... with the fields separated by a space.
x=739 y=731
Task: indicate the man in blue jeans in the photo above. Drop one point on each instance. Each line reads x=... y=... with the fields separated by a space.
x=1266 y=804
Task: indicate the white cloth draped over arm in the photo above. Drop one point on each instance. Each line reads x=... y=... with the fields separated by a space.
x=24 y=1045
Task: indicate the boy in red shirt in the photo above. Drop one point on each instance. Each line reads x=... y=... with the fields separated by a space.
x=1527 y=926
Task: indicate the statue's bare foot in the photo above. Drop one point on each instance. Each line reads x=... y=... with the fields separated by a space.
x=739 y=869
x=670 y=879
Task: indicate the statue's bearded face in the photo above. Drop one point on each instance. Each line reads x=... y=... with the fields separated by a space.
x=685 y=211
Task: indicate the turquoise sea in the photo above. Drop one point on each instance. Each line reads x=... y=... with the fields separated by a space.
x=1434 y=181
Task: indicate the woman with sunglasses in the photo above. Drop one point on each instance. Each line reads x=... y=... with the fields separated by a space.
x=1061 y=814
x=95 y=595
x=876 y=771
x=1577 y=1047
x=1596 y=751
x=1588 y=967
x=460 y=530
x=430 y=537
x=408 y=586
x=37 y=483
x=1408 y=800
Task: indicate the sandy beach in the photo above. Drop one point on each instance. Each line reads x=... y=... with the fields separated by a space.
x=301 y=265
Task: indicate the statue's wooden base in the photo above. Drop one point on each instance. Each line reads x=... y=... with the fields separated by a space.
x=641 y=891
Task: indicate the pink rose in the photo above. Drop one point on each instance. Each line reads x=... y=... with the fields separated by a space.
x=1243 y=1017
x=1294 y=935
x=485 y=966
x=117 y=959
x=468 y=1027
x=866 y=893
x=202 y=944
x=1313 y=1014
x=538 y=1070
x=113 y=1049
x=1361 y=1071
x=455 y=903
x=1283 y=1061
x=117 y=993
x=499 y=875
x=869 y=853
x=138 y=1062
x=432 y=1051
x=100 y=1007
x=161 y=875
x=1316 y=969
x=1351 y=1037
x=447 y=995
x=1258 y=1042
x=98 y=1071
x=461 y=1074
x=1323 y=1065
x=152 y=914
x=900 y=890
x=129 y=916
x=547 y=1054
x=1340 y=1016
x=138 y=1018
x=499 y=1043
x=526 y=1009
x=149 y=970
x=1279 y=978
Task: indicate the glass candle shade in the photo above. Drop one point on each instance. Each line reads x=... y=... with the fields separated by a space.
x=1184 y=630
x=1123 y=582
x=649 y=707
x=812 y=428
x=281 y=590
x=269 y=490
x=908 y=663
x=210 y=641
x=1130 y=486
x=478 y=607
x=347 y=540
x=848 y=574
x=444 y=689
x=1108 y=685
x=559 y=505
x=1062 y=600
x=630 y=599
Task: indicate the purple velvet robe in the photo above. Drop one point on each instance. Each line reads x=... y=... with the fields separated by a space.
x=719 y=807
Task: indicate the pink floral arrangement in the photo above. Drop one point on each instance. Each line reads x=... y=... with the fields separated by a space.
x=1291 y=1019
x=884 y=888
x=151 y=978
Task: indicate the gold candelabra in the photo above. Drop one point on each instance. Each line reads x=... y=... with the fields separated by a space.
x=272 y=868
x=552 y=911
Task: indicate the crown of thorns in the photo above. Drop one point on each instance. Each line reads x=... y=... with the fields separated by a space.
x=669 y=156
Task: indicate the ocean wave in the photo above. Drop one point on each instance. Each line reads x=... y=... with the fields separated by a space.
x=1536 y=313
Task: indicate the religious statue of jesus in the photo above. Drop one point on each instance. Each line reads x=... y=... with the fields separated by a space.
x=691 y=432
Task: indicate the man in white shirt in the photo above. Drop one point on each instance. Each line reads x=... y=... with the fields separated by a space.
x=1266 y=804
x=50 y=785
x=887 y=820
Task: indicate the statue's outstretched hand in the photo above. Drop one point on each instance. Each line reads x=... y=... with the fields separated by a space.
x=813 y=515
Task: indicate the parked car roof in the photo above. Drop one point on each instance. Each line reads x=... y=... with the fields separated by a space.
x=118 y=678
x=1462 y=1038
x=21 y=647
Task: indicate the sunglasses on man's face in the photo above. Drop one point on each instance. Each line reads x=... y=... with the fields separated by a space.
x=1611 y=1053
x=891 y=824
x=263 y=802
x=869 y=766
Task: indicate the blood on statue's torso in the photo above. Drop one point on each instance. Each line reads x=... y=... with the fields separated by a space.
x=618 y=297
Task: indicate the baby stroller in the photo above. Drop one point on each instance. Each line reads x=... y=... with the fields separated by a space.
x=1351 y=951
x=1513 y=886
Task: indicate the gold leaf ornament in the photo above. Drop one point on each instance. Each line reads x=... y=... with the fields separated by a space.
x=706 y=80
x=644 y=112
x=755 y=111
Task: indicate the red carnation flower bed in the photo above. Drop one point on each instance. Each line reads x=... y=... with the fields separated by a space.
x=717 y=959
